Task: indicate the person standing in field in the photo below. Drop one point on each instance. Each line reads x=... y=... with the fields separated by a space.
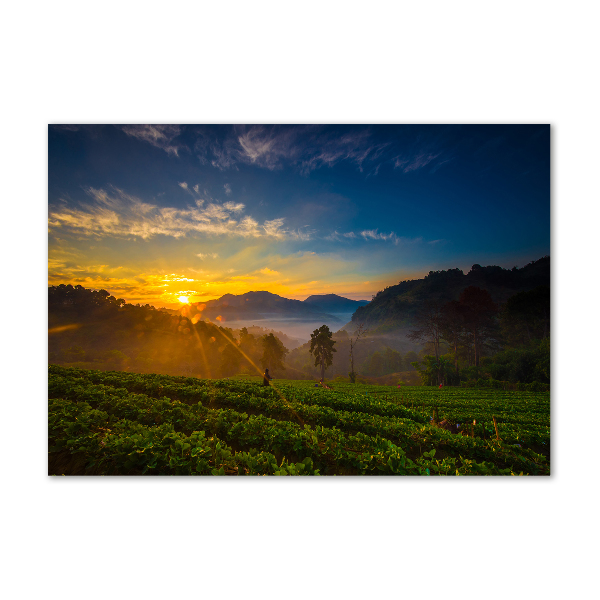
x=266 y=377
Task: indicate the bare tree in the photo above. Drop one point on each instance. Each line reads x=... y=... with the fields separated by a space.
x=361 y=331
x=428 y=321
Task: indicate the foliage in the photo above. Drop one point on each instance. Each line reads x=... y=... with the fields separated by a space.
x=273 y=352
x=526 y=317
x=436 y=371
x=321 y=347
x=525 y=365
x=141 y=424
x=94 y=329
x=428 y=321
x=397 y=305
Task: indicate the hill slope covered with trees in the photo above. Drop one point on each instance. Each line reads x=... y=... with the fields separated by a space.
x=395 y=307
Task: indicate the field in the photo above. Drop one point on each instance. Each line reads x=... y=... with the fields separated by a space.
x=118 y=423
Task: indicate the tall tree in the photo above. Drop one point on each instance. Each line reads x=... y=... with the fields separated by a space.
x=230 y=360
x=479 y=311
x=427 y=321
x=452 y=326
x=361 y=331
x=321 y=347
x=273 y=352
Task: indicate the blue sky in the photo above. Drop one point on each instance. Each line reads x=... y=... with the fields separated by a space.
x=156 y=212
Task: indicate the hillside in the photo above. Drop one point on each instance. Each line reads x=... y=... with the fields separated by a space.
x=261 y=305
x=334 y=304
x=394 y=308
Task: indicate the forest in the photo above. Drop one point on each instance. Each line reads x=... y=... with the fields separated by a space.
x=495 y=335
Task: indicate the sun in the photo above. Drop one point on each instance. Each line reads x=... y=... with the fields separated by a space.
x=184 y=299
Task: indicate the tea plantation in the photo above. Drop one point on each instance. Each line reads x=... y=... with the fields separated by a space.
x=120 y=423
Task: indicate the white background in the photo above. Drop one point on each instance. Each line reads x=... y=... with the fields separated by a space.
x=299 y=62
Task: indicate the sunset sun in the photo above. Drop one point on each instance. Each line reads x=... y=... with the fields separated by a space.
x=184 y=299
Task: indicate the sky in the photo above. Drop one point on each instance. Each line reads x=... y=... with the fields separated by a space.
x=154 y=213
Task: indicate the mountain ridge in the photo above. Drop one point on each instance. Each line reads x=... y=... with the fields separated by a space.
x=258 y=305
x=395 y=306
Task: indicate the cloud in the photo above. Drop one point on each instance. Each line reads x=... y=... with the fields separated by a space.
x=234 y=206
x=121 y=215
x=305 y=147
x=207 y=255
x=224 y=158
x=160 y=136
x=267 y=147
x=184 y=185
x=197 y=189
x=330 y=149
x=67 y=127
x=415 y=162
x=336 y=236
x=333 y=237
x=227 y=189
x=373 y=234
x=267 y=271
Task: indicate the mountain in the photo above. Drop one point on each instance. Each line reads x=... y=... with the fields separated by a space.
x=261 y=305
x=394 y=308
x=334 y=304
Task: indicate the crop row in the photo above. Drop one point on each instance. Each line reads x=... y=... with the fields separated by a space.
x=522 y=417
x=329 y=447
x=99 y=444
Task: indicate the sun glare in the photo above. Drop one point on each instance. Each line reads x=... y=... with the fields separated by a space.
x=183 y=299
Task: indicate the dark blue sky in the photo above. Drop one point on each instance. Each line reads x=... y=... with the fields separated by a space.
x=157 y=212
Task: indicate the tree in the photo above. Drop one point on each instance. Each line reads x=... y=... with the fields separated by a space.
x=230 y=360
x=479 y=311
x=359 y=332
x=434 y=371
x=526 y=317
x=321 y=347
x=427 y=321
x=273 y=352
x=452 y=325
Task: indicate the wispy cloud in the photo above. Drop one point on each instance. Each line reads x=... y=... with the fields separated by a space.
x=305 y=147
x=122 y=215
x=227 y=189
x=333 y=237
x=267 y=271
x=202 y=255
x=356 y=147
x=336 y=236
x=415 y=162
x=160 y=136
x=373 y=234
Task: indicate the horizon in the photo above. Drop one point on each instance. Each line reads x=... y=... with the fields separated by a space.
x=155 y=213
x=182 y=305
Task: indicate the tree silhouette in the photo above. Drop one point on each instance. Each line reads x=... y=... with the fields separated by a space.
x=359 y=332
x=273 y=352
x=428 y=321
x=479 y=311
x=321 y=347
x=452 y=326
x=526 y=317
